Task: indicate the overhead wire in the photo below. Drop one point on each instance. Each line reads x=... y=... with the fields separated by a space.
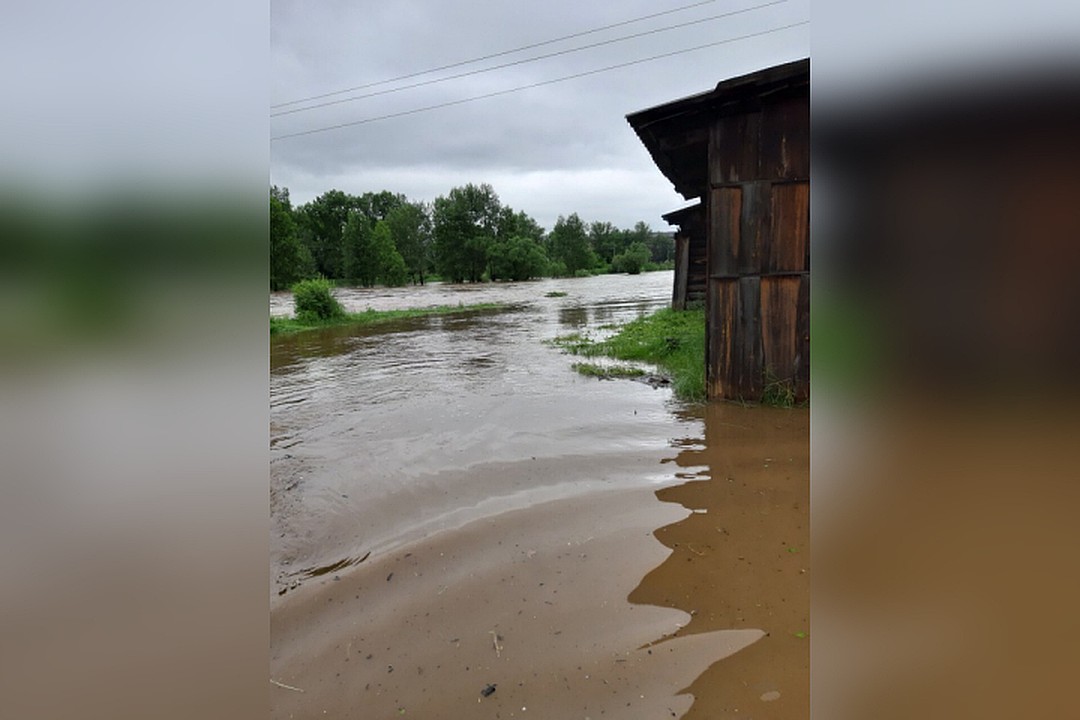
x=490 y=56
x=508 y=91
x=523 y=61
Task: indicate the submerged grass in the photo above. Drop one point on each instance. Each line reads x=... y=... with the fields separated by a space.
x=575 y=343
x=674 y=340
x=555 y=293
x=280 y=325
x=606 y=372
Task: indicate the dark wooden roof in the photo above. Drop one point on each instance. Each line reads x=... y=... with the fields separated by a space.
x=676 y=134
x=682 y=215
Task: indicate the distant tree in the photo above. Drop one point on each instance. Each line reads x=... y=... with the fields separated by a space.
x=605 y=240
x=661 y=247
x=410 y=227
x=640 y=234
x=361 y=260
x=569 y=243
x=282 y=195
x=389 y=265
x=289 y=259
x=370 y=255
x=517 y=258
x=526 y=226
x=518 y=224
x=322 y=225
x=377 y=206
x=464 y=224
x=633 y=260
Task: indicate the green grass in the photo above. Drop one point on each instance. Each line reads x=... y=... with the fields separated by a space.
x=280 y=325
x=776 y=392
x=673 y=340
x=606 y=372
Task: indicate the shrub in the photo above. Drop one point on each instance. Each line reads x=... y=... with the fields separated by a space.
x=314 y=300
x=632 y=261
x=557 y=268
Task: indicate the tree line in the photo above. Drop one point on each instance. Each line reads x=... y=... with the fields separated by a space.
x=467 y=235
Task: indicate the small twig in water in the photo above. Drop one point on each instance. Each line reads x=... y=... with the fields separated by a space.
x=283 y=685
x=495 y=642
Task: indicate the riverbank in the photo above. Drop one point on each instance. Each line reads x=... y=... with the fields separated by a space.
x=673 y=340
x=284 y=325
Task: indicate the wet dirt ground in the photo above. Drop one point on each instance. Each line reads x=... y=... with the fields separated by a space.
x=464 y=527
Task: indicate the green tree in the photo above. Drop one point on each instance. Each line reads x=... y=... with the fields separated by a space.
x=410 y=227
x=661 y=247
x=605 y=240
x=641 y=233
x=633 y=260
x=377 y=206
x=464 y=224
x=569 y=243
x=389 y=266
x=282 y=195
x=517 y=258
x=289 y=259
x=322 y=225
x=518 y=224
x=361 y=259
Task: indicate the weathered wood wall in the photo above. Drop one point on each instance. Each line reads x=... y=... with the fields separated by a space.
x=691 y=258
x=757 y=213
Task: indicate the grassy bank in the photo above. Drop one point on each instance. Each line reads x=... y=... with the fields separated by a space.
x=672 y=340
x=282 y=325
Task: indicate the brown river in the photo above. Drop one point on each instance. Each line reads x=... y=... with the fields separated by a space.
x=464 y=527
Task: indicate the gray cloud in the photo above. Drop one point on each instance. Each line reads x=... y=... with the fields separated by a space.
x=549 y=150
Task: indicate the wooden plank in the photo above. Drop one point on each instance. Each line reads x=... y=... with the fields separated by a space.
x=754 y=241
x=733 y=148
x=790 y=231
x=724 y=229
x=802 y=341
x=720 y=332
x=747 y=353
x=785 y=138
x=779 y=320
x=682 y=268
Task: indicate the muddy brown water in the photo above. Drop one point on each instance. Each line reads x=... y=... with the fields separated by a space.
x=454 y=509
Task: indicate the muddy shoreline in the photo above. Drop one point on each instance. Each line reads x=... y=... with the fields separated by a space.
x=581 y=607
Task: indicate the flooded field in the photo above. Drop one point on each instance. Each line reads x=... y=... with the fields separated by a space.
x=462 y=526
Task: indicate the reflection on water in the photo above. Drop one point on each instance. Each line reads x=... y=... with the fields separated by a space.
x=573 y=317
x=740 y=559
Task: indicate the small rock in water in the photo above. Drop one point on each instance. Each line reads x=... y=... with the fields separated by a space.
x=488 y=691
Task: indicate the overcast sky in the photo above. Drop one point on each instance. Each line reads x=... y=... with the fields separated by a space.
x=551 y=150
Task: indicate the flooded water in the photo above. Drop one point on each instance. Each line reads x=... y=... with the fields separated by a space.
x=453 y=508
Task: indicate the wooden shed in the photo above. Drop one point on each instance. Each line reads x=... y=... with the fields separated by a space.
x=743 y=149
x=690 y=260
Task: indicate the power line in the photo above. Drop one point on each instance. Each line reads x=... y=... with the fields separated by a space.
x=528 y=60
x=537 y=84
x=494 y=55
